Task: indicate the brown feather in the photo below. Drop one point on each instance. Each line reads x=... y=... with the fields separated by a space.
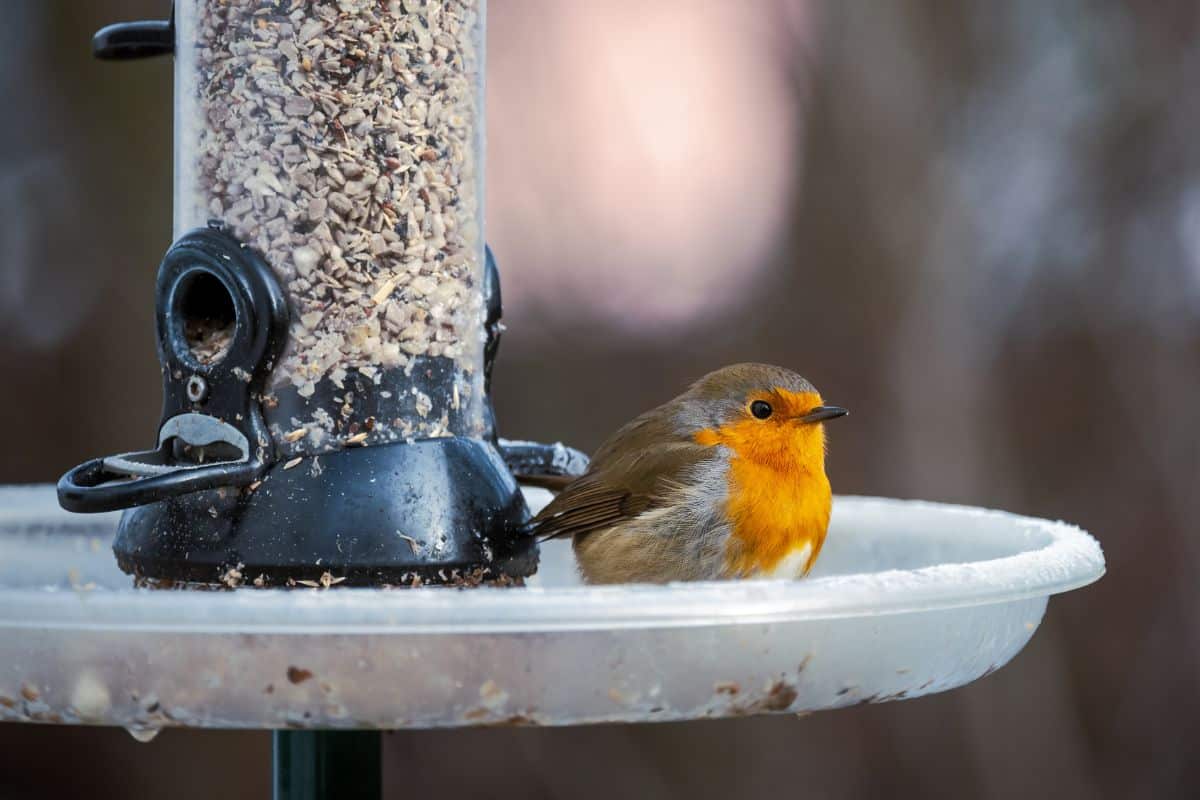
x=629 y=475
x=555 y=483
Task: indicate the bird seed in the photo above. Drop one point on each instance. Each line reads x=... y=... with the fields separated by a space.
x=340 y=138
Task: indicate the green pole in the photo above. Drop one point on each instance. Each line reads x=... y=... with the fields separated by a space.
x=324 y=765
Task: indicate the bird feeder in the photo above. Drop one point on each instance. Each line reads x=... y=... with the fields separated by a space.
x=326 y=319
x=328 y=314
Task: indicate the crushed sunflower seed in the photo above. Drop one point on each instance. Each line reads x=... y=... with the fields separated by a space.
x=341 y=139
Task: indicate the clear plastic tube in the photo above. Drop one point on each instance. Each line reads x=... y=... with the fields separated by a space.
x=342 y=139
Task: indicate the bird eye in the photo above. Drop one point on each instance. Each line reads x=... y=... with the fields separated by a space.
x=761 y=409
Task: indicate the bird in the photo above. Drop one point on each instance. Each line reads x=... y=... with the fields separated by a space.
x=725 y=481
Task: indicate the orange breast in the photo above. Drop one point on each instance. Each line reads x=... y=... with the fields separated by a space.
x=775 y=515
x=779 y=498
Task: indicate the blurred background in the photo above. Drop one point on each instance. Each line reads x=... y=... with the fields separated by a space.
x=976 y=224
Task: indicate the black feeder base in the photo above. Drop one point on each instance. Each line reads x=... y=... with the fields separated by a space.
x=443 y=510
x=430 y=511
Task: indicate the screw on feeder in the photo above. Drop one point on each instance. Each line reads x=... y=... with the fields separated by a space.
x=197 y=389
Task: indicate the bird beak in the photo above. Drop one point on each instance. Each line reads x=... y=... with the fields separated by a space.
x=822 y=413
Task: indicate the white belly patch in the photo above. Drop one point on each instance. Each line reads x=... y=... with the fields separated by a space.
x=792 y=565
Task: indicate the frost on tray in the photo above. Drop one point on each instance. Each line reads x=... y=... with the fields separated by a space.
x=340 y=138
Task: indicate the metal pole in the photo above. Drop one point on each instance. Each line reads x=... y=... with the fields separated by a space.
x=324 y=765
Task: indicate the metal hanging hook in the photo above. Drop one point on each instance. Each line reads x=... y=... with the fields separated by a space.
x=124 y=41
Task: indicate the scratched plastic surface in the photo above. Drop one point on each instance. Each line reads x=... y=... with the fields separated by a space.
x=908 y=599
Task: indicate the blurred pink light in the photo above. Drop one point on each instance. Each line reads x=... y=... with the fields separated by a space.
x=640 y=155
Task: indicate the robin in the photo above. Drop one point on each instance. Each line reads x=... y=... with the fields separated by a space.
x=725 y=481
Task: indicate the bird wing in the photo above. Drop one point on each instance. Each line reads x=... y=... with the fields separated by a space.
x=553 y=483
x=621 y=484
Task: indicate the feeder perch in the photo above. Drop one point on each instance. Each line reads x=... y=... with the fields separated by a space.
x=908 y=599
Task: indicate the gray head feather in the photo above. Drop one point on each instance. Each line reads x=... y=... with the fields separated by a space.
x=720 y=397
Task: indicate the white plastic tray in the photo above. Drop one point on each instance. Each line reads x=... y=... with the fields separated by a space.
x=909 y=598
